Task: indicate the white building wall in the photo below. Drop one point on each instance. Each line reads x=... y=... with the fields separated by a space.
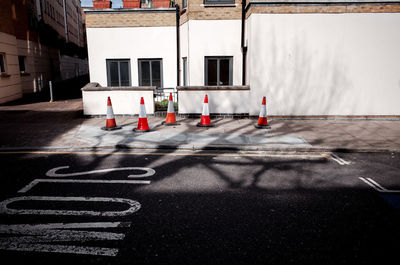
x=213 y=38
x=10 y=87
x=132 y=43
x=184 y=46
x=325 y=64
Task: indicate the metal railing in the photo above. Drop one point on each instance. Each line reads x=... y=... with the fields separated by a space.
x=161 y=94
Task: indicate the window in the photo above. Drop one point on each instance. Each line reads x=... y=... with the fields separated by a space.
x=218 y=71
x=150 y=72
x=21 y=61
x=215 y=2
x=2 y=63
x=118 y=72
x=184 y=3
x=184 y=71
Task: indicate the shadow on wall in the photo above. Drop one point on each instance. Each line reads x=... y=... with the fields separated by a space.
x=298 y=77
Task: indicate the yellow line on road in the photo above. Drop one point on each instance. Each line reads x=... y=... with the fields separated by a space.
x=285 y=155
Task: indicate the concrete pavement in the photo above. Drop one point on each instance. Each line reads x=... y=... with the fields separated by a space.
x=61 y=125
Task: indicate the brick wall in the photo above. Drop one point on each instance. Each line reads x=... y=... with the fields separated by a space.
x=197 y=11
x=130 y=19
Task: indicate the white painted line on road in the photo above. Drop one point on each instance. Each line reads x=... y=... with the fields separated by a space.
x=20 y=227
x=75 y=181
x=377 y=186
x=339 y=160
x=112 y=252
x=149 y=172
x=133 y=206
x=41 y=236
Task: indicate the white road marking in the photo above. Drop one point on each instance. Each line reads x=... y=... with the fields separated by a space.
x=97 y=251
x=377 y=186
x=149 y=172
x=29 y=237
x=36 y=181
x=20 y=227
x=134 y=206
x=40 y=236
x=339 y=160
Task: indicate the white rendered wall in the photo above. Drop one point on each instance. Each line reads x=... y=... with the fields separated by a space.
x=219 y=101
x=212 y=38
x=10 y=87
x=325 y=64
x=123 y=102
x=132 y=43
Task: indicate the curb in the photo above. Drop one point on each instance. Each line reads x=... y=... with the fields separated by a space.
x=222 y=148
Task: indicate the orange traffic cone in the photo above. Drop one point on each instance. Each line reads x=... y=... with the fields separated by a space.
x=110 y=122
x=142 y=126
x=170 y=120
x=262 y=119
x=205 y=116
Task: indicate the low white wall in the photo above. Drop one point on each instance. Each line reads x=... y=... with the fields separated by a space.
x=132 y=43
x=219 y=101
x=124 y=102
x=324 y=64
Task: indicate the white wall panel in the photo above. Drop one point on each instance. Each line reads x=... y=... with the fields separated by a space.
x=325 y=64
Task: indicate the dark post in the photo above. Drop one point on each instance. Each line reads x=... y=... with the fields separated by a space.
x=244 y=49
x=178 y=54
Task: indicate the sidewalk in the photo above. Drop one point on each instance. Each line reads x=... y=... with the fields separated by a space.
x=61 y=125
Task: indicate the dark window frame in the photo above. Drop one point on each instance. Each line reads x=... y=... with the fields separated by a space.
x=3 y=67
x=22 y=67
x=184 y=71
x=218 y=58
x=151 y=78
x=108 y=61
x=219 y=2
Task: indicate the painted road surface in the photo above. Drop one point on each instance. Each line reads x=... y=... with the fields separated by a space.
x=199 y=208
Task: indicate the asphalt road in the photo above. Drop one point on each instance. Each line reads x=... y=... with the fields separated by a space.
x=199 y=208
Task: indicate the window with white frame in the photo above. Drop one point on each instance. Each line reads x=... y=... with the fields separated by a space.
x=218 y=70
x=150 y=72
x=118 y=72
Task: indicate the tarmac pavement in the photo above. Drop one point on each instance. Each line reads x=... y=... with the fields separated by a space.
x=61 y=125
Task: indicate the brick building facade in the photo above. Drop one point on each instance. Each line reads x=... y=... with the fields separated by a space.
x=40 y=41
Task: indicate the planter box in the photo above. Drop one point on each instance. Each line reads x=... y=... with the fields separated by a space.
x=101 y=4
x=131 y=3
x=161 y=3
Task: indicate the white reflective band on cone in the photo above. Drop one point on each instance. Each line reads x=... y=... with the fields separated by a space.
x=170 y=107
x=263 y=111
x=206 y=111
x=142 y=111
x=110 y=113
